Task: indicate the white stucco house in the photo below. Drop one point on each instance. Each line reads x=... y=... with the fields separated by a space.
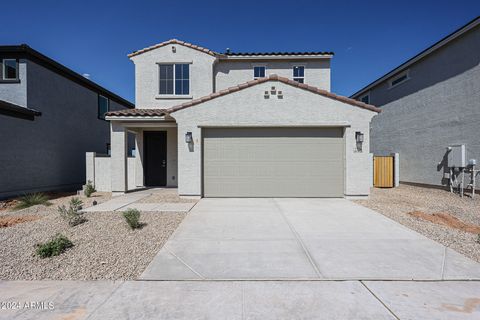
x=237 y=125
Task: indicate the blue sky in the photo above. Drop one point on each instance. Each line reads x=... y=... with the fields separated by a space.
x=369 y=38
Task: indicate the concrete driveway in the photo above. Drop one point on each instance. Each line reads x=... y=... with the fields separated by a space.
x=312 y=242
x=301 y=239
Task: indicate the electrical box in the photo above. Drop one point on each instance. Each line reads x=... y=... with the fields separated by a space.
x=456 y=156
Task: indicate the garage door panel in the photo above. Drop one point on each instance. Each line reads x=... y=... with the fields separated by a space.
x=234 y=151
x=264 y=169
x=273 y=162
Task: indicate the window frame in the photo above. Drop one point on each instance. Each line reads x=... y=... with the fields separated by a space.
x=2 y=71
x=363 y=96
x=293 y=72
x=405 y=74
x=259 y=66
x=174 y=95
x=100 y=117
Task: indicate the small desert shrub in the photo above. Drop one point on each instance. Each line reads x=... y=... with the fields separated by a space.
x=478 y=238
x=32 y=199
x=89 y=189
x=53 y=247
x=72 y=214
x=132 y=216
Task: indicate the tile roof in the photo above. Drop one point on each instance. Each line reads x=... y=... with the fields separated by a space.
x=137 y=113
x=175 y=41
x=228 y=54
x=274 y=77
x=310 y=53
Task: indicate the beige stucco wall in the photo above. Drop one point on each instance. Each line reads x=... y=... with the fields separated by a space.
x=230 y=73
x=147 y=75
x=99 y=171
x=298 y=107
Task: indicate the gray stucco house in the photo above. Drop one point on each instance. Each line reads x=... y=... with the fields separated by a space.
x=428 y=103
x=237 y=125
x=49 y=117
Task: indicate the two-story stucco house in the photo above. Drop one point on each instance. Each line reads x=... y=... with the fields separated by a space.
x=430 y=102
x=49 y=117
x=238 y=125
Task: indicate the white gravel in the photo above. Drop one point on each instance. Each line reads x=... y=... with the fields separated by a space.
x=395 y=203
x=104 y=246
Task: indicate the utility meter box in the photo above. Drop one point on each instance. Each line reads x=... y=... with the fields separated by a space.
x=456 y=156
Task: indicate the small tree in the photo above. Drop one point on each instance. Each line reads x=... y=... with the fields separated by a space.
x=72 y=214
x=89 y=189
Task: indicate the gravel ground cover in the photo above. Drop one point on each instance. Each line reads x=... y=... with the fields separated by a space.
x=104 y=246
x=165 y=195
x=397 y=203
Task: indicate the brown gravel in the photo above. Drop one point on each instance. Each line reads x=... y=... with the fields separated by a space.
x=9 y=221
x=397 y=203
x=104 y=246
x=165 y=195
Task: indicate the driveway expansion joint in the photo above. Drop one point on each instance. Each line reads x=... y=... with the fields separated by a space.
x=185 y=264
x=379 y=300
x=297 y=237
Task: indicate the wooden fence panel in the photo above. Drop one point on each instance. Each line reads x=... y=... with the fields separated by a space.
x=383 y=171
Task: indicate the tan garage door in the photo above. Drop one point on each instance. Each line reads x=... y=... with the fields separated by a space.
x=273 y=162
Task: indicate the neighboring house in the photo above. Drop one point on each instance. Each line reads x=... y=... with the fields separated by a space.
x=428 y=103
x=49 y=117
x=238 y=125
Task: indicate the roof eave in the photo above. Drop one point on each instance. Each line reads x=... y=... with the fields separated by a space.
x=63 y=70
x=276 y=57
x=472 y=24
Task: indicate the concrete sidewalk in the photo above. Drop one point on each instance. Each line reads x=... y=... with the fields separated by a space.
x=130 y=201
x=301 y=239
x=263 y=300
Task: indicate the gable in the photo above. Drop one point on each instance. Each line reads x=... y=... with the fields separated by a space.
x=284 y=81
x=270 y=102
x=174 y=42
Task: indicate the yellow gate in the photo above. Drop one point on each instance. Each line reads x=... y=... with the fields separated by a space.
x=383 y=171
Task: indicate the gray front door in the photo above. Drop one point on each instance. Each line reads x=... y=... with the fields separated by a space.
x=273 y=162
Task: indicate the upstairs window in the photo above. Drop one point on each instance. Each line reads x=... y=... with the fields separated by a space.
x=174 y=79
x=299 y=74
x=103 y=106
x=365 y=98
x=9 y=69
x=259 y=72
x=400 y=78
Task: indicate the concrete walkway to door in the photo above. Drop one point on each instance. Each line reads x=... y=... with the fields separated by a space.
x=301 y=239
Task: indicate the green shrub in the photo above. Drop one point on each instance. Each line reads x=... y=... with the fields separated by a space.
x=53 y=247
x=89 y=189
x=132 y=216
x=32 y=199
x=72 y=214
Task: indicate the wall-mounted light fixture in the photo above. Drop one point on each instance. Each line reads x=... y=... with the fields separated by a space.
x=174 y=49
x=188 y=137
x=358 y=136
x=359 y=140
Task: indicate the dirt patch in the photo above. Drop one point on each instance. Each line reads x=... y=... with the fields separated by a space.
x=8 y=204
x=9 y=221
x=446 y=220
x=395 y=203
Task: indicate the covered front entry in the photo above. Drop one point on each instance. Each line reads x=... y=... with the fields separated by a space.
x=273 y=162
x=155 y=153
